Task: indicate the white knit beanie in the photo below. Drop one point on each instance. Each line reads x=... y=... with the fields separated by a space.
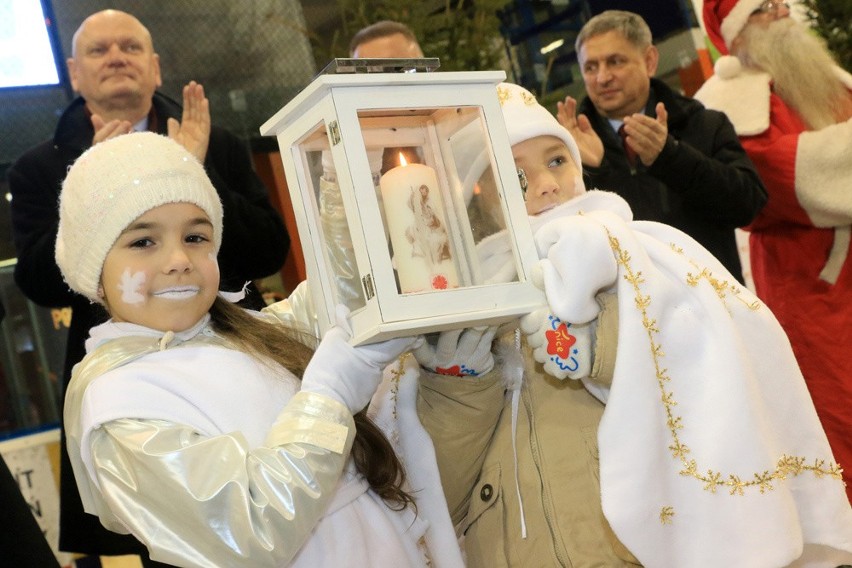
x=110 y=186
x=526 y=119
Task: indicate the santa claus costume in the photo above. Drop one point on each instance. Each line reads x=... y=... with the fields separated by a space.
x=800 y=241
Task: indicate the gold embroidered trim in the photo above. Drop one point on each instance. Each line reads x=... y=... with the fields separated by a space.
x=666 y=514
x=721 y=287
x=396 y=375
x=503 y=95
x=712 y=480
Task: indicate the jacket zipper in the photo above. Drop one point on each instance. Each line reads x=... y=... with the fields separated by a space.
x=547 y=502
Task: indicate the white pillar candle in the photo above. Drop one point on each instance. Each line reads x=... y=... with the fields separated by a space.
x=421 y=246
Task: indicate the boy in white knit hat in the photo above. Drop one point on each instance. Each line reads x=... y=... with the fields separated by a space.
x=214 y=436
x=550 y=514
x=689 y=425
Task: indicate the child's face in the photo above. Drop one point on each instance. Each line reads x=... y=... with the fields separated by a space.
x=162 y=271
x=552 y=176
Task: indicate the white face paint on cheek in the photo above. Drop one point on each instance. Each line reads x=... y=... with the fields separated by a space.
x=130 y=285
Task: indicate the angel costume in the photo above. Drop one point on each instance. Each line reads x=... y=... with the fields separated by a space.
x=171 y=438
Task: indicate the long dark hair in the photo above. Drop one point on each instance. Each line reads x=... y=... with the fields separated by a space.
x=292 y=349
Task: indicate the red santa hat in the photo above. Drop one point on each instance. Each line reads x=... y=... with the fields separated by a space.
x=725 y=19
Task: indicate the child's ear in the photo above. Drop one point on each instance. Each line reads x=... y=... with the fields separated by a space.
x=100 y=291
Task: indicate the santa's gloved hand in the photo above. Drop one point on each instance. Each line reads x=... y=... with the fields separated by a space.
x=458 y=352
x=576 y=263
x=351 y=374
x=565 y=349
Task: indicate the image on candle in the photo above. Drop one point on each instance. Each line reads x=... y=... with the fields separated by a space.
x=427 y=234
x=417 y=229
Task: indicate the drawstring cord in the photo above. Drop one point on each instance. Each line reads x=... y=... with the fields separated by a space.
x=516 y=398
x=166 y=339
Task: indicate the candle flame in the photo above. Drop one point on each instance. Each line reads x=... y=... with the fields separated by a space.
x=402 y=161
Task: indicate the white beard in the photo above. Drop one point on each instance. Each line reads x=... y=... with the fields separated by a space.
x=801 y=67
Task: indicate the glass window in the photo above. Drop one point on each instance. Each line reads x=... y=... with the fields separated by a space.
x=31 y=359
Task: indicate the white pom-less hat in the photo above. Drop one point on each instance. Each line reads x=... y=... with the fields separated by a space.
x=110 y=186
x=526 y=119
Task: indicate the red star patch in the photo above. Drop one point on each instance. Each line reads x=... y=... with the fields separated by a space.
x=559 y=341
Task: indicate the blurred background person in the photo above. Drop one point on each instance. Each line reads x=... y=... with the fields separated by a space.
x=385 y=39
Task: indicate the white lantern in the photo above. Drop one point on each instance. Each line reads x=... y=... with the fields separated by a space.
x=407 y=202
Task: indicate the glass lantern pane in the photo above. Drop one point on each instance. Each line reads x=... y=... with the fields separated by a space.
x=325 y=197
x=439 y=195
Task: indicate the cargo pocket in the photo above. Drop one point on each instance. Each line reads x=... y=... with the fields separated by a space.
x=483 y=528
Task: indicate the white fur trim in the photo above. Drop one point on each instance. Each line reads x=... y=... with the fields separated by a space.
x=737 y=18
x=823 y=173
x=744 y=98
x=837 y=256
x=728 y=67
x=844 y=77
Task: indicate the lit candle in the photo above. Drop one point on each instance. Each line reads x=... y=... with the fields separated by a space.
x=421 y=246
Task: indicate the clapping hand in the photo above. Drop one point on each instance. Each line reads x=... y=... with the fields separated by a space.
x=106 y=130
x=193 y=130
x=590 y=145
x=647 y=135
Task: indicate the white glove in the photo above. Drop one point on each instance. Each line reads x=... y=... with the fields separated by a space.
x=347 y=373
x=458 y=352
x=565 y=349
x=577 y=263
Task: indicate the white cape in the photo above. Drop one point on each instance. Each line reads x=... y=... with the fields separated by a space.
x=711 y=453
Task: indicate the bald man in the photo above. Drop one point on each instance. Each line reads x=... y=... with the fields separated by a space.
x=116 y=73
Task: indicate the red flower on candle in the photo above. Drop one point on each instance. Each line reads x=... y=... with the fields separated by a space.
x=559 y=341
x=439 y=282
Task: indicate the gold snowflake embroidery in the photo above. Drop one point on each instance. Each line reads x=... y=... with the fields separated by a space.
x=712 y=480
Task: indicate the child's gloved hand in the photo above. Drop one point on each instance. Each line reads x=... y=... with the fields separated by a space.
x=458 y=352
x=576 y=263
x=350 y=374
x=566 y=350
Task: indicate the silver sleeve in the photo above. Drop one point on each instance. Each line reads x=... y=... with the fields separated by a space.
x=196 y=500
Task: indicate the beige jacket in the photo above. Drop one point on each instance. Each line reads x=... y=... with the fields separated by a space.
x=470 y=421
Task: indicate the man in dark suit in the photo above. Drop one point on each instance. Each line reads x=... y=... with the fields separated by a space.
x=670 y=158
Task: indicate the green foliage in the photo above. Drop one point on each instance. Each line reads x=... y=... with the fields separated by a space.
x=832 y=19
x=463 y=34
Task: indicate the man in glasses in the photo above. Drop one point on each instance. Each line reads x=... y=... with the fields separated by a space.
x=792 y=108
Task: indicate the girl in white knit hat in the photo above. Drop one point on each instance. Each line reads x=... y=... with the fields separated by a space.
x=217 y=437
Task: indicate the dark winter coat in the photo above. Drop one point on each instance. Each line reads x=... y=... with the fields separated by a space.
x=702 y=183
